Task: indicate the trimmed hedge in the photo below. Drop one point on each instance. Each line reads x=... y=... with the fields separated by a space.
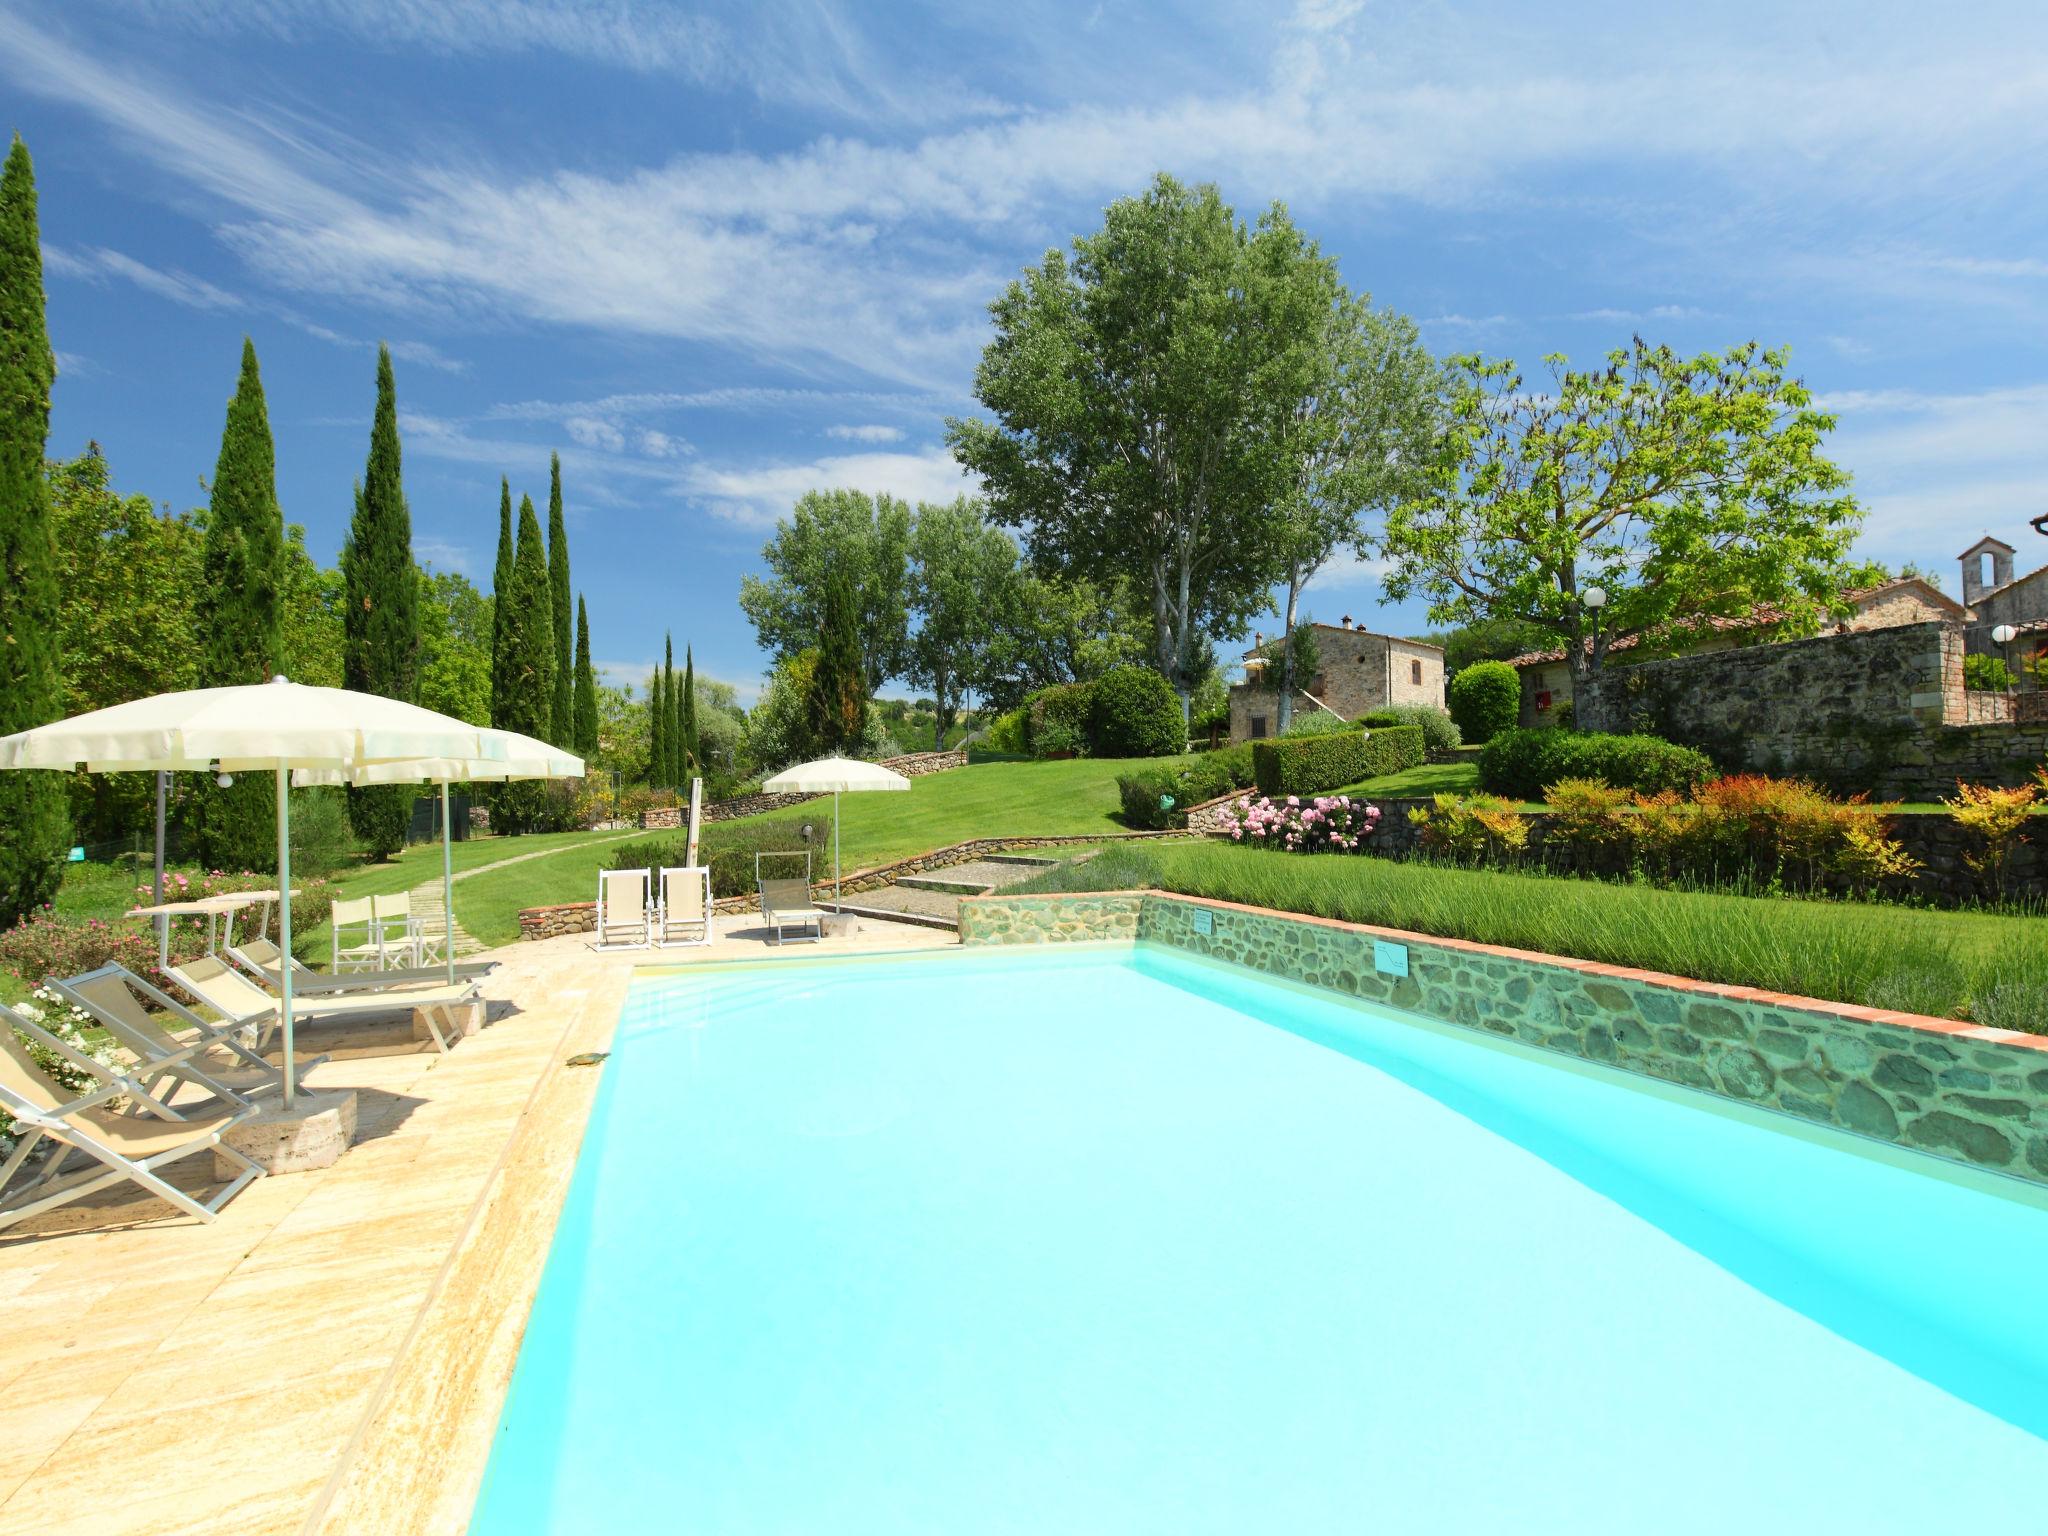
x=1439 y=731
x=1522 y=762
x=1486 y=699
x=1135 y=713
x=1315 y=765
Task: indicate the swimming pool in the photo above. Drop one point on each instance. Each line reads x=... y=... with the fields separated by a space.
x=1121 y=1240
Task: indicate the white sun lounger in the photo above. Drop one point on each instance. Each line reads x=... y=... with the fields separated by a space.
x=624 y=913
x=209 y=1057
x=240 y=1000
x=259 y=957
x=682 y=914
x=125 y=1146
x=786 y=903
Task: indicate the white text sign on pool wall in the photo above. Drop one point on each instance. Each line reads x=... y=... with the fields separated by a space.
x=1205 y=921
x=1389 y=959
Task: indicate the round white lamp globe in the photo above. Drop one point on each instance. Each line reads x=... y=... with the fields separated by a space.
x=1594 y=597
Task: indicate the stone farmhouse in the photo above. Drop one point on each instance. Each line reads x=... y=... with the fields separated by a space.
x=1358 y=671
x=1547 y=681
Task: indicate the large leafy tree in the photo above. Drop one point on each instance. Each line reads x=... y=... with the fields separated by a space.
x=963 y=588
x=586 y=689
x=241 y=612
x=34 y=826
x=528 y=634
x=1682 y=488
x=456 y=622
x=1063 y=631
x=866 y=539
x=562 y=711
x=129 y=576
x=501 y=583
x=1141 y=396
x=314 y=595
x=1358 y=437
x=380 y=615
x=836 y=700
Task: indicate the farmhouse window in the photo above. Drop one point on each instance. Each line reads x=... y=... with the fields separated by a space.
x=1415 y=673
x=1258 y=727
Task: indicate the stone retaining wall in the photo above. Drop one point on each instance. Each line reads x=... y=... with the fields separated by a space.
x=1882 y=710
x=1955 y=1090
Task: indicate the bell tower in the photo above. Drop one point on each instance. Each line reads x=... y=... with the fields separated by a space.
x=1987 y=566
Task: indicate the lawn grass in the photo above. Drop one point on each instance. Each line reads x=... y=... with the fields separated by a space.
x=1988 y=966
x=1454 y=778
x=1004 y=799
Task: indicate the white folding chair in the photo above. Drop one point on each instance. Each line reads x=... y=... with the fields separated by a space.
x=682 y=914
x=624 y=914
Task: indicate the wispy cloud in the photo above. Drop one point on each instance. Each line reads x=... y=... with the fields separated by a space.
x=443 y=555
x=866 y=434
x=1639 y=316
x=757 y=494
x=99 y=265
x=872 y=256
x=805 y=53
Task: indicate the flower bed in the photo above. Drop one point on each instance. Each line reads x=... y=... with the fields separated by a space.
x=1323 y=823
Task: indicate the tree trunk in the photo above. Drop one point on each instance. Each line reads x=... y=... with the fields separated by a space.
x=1283 y=716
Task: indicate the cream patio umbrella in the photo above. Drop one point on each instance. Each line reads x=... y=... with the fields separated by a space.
x=835 y=775
x=517 y=757
x=276 y=726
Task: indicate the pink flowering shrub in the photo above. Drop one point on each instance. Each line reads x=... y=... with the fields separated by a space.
x=1319 y=824
x=47 y=943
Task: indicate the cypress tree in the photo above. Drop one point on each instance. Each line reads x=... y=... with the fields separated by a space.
x=586 y=688
x=241 y=613
x=675 y=718
x=692 y=763
x=35 y=827
x=530 y=662
x=657 y=730
x=669 y=744
x=562 y=709
x=836 y=704
x=501 y=586
x=380 y=613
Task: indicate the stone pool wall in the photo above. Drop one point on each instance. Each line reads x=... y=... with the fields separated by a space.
x=1956 y=1090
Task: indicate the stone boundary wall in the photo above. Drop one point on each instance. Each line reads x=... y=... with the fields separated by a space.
x=1882 y=710
x=581 y=916
x=1959 y=1091
x=914 y=765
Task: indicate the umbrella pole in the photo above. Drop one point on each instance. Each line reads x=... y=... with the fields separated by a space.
x=447 y=886
x=835 y=850
x=284 y=929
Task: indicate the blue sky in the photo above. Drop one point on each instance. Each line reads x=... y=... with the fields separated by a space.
x=717 y=255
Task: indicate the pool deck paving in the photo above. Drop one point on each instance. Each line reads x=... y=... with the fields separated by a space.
x=331 y=1353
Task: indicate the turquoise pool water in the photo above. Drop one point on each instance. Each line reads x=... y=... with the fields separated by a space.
x=1121 y=1241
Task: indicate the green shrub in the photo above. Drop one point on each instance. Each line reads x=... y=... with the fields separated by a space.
x=1314 y=765
x=1153 y=799
x=1439 y=732
x=1006 y=733
x=1135 y=713
x=1470 y=829
x=1521 y=762
x=1986 y=674
x=727 y=848
x=1056 y=719
x=1486 y=699
x=1217 y=773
